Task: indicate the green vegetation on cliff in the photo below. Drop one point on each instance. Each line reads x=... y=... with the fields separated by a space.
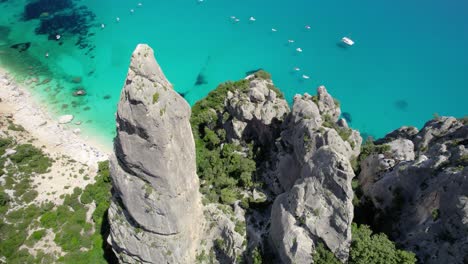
x=224 y=168
x=367 y=248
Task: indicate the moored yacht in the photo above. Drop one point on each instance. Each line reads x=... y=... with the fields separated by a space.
x=347 y=41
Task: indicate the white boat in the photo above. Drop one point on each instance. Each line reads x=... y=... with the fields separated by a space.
x=299 y=50
x=297 y=68
x=347 y=41
x=305 y=77
x=252 y=19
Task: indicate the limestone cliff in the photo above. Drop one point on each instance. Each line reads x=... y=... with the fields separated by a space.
x=420 y=186
x=313 y=168
x=274 y=180
x=156 y=212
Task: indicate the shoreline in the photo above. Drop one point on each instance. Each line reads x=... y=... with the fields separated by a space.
x=18 y=102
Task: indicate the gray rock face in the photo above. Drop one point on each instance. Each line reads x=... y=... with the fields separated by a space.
x=256 y=113
x=156 y=211
x=327 y=105
x=313 y=168
x=402 y=133
x=304 y=132
x=220 y=234
x=422 y=186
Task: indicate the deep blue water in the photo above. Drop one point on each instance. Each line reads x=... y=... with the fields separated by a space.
x=410 y=59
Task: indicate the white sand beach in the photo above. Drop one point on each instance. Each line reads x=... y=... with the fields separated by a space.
x=76 y=156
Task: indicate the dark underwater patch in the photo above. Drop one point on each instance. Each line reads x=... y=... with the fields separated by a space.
x=43 y=8
x=347 y=116
x=401 y=105
x=4 y=32
x=61 y=17
x=247 y=73
x=201 y=79
x=76 y=22
x=21 y=47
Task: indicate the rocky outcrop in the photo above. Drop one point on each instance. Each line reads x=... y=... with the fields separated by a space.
x=420 y=187
x=306 y=130
x=313 y=169
x=222 y=235
x=156 y=213
x=256 y=113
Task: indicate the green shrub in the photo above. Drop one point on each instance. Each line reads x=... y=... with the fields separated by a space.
x=4 y=198
x=31 y=159
x=463 y=160
x=228 y=196
x=220 y=164
x=370 y=148
x=38 y=234
x=15 y=127
x=49 y=219
x=256 y=256
x=244 y=203
x=29 y=196
x=4 y=144
x=35 y=237
x=343 y=132
x=324 y=256
x=155 y=97
x=275 y=89
x=368 y=248
x=240 y=227
x=262 y=75
x=435 y=214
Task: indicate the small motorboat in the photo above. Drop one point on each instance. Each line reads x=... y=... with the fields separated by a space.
x=305 y=77
x=299 y=50
x=347 y=41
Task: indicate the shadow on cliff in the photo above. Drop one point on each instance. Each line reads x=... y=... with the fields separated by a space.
x=105 y=231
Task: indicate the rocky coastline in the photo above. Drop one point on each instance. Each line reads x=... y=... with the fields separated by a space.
x=240 y=177
x=276 y=183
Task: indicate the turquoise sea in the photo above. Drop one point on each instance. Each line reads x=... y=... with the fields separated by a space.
x=410 y=59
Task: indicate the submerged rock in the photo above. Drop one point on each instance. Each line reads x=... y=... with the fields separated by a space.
x=21 y=47
x=76 y=79
x=156 y=212
x=80 y=92
x=65 y=119
x=201 y=79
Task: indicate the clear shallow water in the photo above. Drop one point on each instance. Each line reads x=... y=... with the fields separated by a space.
x=410 y=59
